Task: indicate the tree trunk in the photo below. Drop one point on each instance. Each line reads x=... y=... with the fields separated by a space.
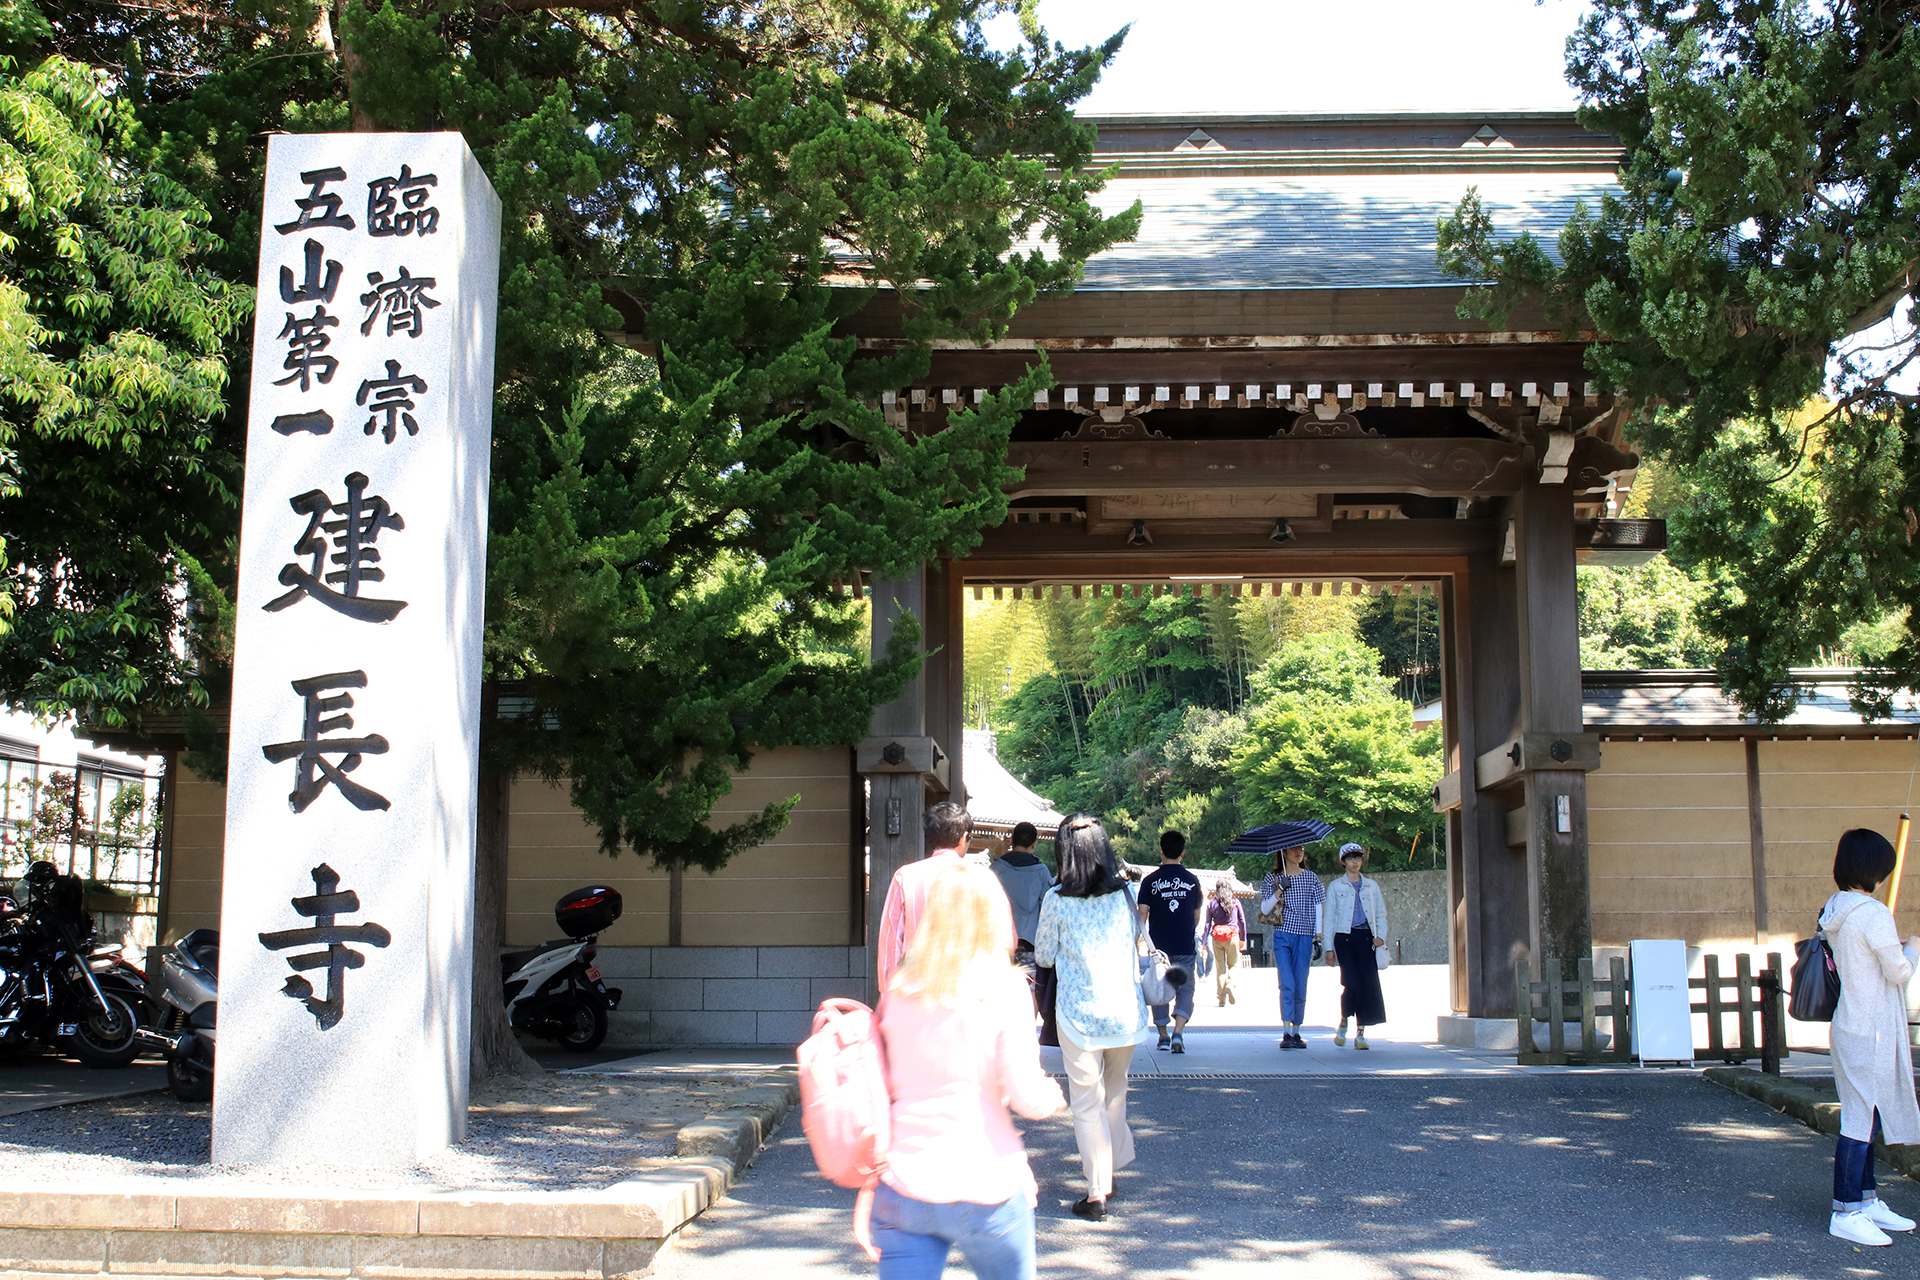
x=495 y=1050
x=351 y=66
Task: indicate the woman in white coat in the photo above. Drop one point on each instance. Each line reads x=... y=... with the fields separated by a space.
x=1872 y=1062
x=1353 y=926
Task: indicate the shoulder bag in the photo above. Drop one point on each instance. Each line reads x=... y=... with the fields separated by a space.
x=1154 y=968
x=1277 y=916
x=1046 y=996
x=1816 y=979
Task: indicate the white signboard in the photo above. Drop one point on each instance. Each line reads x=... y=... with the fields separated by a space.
x=347 y=902
x=1662 y=1004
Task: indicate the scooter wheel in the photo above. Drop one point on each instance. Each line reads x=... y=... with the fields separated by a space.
x=189 y=1083
x=582 y=1026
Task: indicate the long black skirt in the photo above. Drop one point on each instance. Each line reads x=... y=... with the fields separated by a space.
x=1360 y=997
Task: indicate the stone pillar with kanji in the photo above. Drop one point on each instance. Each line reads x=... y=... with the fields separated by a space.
x=347 y=910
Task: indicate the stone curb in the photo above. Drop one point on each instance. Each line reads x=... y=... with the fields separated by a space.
x=610 y=1234
x=1818 y=1109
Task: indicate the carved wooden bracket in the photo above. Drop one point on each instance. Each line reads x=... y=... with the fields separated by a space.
x=1327 y=422
x=1593 y=460
x=1553 y=458
x=1112 y=422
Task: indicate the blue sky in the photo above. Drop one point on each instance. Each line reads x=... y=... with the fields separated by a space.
x=1247 y=56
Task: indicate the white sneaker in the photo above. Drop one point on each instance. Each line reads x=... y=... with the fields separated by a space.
x=1885 y=1218
x=1857 y=1227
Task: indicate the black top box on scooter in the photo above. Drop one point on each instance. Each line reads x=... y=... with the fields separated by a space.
x=588 y=910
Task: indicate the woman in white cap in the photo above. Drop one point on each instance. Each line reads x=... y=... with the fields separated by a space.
x=1355 y=926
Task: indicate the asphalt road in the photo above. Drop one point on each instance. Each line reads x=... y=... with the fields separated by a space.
x=1619 y=1176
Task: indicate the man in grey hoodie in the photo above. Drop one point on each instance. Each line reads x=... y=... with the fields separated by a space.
x=1026 y=880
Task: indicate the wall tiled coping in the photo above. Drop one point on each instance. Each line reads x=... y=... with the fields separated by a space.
x=609 y=1233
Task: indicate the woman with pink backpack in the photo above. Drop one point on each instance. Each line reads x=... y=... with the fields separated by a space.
x=957 y=1025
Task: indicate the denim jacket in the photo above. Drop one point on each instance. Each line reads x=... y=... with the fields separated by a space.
x=1339 y=909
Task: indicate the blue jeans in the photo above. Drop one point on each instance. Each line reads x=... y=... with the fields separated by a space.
x=914 y=1237
x=1293 y=959
x=1853 y=1183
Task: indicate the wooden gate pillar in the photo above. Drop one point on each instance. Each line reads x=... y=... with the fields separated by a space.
x=1487 y=880
x=905 y=767
x=1551 y=753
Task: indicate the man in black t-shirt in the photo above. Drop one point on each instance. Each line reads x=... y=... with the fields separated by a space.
x=1171 y=900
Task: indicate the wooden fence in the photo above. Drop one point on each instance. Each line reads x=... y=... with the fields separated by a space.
x=1757 y=1005
x=1582 y=993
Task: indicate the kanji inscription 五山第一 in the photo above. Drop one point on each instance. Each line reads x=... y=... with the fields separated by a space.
x=355 y=726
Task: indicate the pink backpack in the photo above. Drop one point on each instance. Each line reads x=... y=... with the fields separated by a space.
x=844 y=1106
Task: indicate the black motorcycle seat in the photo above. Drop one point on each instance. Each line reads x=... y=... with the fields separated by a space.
x=204 y=946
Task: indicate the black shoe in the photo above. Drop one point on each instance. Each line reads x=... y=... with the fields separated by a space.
x=1091 y=1210
x=1179 y=1042
x=1164 y=1042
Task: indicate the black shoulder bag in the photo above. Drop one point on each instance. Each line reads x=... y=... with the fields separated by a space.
x=1816 y=979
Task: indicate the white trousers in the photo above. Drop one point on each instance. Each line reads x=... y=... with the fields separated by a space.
x=1097 y=1095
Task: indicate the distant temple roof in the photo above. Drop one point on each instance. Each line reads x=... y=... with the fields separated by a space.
x=1692 y=702
x=1331 y=201
x=997 y=800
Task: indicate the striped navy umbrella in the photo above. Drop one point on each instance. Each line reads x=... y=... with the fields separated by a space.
x=1276 y=836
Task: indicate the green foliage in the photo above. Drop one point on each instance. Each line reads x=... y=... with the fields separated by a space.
x=1643 y=618
x=112 y=378
x=1179 y=732
x=731 y=182
x=1768 y=210
x=1405 y=630
x=1328 y=739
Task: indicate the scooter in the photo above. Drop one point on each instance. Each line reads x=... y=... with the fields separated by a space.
x=554 y=990
x=184 y=986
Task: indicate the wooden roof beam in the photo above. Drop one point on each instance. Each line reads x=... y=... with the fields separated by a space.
x=1430 y=467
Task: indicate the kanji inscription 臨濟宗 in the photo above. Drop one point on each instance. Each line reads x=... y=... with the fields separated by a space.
x=356 y=690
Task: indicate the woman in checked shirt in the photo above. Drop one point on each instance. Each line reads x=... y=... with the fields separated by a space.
x=1299 y=892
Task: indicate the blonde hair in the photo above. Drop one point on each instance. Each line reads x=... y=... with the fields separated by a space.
x=965 y=939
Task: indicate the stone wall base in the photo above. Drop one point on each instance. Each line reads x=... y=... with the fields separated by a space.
x=725 y=995
x=271 y=1255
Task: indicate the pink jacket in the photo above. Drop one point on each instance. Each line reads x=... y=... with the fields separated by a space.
x=906 y=902
x=953 y=1072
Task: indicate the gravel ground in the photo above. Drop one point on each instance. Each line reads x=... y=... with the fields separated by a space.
x=538 y=1133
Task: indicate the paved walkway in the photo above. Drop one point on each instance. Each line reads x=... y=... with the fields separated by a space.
x=36 y=1083
x=1617 y=1175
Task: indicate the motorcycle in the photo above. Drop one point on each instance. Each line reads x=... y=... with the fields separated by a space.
x=186 y=980
x=554 y=990
x=57 y=987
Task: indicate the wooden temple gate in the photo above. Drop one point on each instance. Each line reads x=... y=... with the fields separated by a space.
x=1270 y=391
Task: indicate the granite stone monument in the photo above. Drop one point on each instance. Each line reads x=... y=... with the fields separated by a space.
x=347 y=909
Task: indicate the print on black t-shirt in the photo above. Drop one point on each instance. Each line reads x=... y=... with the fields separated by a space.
x=1171 y=895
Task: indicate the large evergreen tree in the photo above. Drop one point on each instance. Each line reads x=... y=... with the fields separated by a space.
x=1769 y=211
x=689 y=451
x=728 y=183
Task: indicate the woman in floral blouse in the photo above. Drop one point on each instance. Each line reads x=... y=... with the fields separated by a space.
x=1087 y=934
